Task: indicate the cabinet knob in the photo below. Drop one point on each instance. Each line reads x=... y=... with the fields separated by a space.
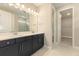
x=8 y=42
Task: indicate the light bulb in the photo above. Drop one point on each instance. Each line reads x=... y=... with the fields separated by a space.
x=32 y=11
x=29 y=9
x=17 y=5
x=22 y=6
x=36 y=13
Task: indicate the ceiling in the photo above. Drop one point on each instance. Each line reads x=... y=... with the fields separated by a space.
x=56 y=5
x=59 y=5
x=6 y=7
x=38 y=4
x=66 y=13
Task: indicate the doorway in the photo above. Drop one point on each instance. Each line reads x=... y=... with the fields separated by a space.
x=65 y=28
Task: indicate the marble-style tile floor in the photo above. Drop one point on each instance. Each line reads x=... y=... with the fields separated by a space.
x=57 y=52
x=63 y=49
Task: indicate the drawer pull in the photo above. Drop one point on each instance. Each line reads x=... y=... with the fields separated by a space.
x=8 y=42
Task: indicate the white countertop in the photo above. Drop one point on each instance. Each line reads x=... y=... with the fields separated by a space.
x=6 y=37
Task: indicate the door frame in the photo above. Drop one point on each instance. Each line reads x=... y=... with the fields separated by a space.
x=55 y=25
x=62 y=9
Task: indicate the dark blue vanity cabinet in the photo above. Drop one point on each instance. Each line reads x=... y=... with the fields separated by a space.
x=26 y=46
x=22 y=46
x=35 y=43
x=9 y=48
x=41 y=40
x=38 y=42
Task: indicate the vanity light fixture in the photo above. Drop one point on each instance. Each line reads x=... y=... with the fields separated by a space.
x=29 y=10
x=17 y=5
x=35 y=13
x=22 y=7
x=32 y=11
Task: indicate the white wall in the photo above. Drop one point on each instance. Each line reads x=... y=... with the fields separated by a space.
x=33 y=23
x=66 y=27
x=76 y=25
x=6 y=21
x=45 y=23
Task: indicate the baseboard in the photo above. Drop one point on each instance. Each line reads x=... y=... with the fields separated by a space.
x=76 y=47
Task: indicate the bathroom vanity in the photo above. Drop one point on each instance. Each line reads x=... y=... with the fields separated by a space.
x=21 y=45
x=14 y=25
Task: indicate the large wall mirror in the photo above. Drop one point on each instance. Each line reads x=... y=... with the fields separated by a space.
x=14 y=19
x=23 y=21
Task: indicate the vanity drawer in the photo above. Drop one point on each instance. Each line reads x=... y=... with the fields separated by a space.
x=7 y=43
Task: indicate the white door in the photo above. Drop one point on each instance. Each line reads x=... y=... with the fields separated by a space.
x=59 y=28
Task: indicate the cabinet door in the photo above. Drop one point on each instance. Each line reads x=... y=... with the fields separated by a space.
x=27 y=46
x=41 y=40
x=35 y=43
x=9 y=50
